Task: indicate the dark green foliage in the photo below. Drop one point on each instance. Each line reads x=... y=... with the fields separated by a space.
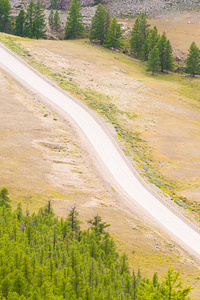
x=139 y=35
x=193 y=60
x=19 y=23
x=113 y=36
x=74 y=26
x=35 y=21
x=40 y=258
x=153 y=63
x=98 y=25
x=5 y=21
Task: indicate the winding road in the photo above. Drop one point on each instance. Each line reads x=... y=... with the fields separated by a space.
x=105 y=147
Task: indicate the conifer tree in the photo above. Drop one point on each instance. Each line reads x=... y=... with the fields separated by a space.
x=51 y=19
x=98 y=25
x=74 y=25
x=168 y=61
x=56 y=20
x=165 y=53
x=153 y=63
x=5 y=10
x=139 y=35
x=4 y=199
x=54 y=4
x=38 y=29
x=29 y=19
x=113 y=36
x=19 y=23
x=193 y=60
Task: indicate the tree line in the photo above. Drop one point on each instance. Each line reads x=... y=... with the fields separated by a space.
x=43 y=257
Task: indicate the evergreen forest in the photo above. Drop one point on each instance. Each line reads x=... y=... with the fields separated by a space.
x=43 y=257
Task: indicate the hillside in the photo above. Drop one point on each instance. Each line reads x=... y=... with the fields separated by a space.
x=123 y=8
x=57 y=166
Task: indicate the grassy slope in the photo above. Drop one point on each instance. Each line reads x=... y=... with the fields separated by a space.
x=148 y=256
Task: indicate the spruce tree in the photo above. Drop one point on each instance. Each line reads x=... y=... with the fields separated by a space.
x=98 y=25
x=56 y=20
x=5 y=10
x=74 y=25
x=193 y=60
x=113 y=36
x=153 y=63
x=19 y=23
x=51 y=19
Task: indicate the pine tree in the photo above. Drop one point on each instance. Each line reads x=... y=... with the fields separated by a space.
x=54 y=4
x=98 y=25
x=139 y=35
x=39 y=24
x=29 y=19
x=113 y=36
x=5 y=10
x=153 y=63
x=74 y=25
x=56 y=20
x=193 y=60
x=51 y=19
x=168 y=61
x=19 y=23
x=4 y=199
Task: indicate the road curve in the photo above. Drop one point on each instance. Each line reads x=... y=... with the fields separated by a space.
x=104 y=147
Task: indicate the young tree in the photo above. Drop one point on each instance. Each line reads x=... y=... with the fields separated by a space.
x=74 y=26
x=113 y=36
x=51 y=19
x=193 y=60
x=153 y=63
x=19 y=23
x=98 y=25
x=5 y=21
x=73 y=221
x=56 y=20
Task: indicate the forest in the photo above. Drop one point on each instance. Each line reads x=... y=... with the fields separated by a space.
x=43 y=257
